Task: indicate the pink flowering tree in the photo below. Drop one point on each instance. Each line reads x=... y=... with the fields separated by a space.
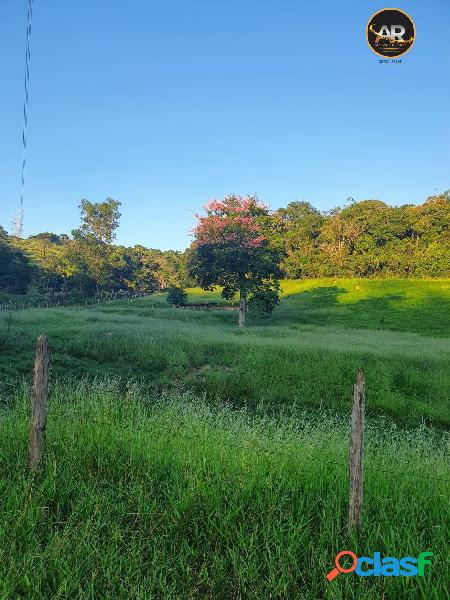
x=231 y=250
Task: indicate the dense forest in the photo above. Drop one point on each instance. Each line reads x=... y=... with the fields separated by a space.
x=363 y=239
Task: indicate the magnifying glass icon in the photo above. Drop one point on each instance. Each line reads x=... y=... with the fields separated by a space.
x=339 y=569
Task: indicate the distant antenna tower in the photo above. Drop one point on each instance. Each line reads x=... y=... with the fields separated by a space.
x=18 y=221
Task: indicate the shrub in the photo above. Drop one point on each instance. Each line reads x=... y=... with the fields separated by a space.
x=176 y=296
x=264 y=301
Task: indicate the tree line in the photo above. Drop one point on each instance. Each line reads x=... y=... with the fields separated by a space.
x=368 y=238
x=87 y=262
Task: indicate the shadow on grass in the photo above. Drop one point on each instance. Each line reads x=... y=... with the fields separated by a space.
x=322 y=306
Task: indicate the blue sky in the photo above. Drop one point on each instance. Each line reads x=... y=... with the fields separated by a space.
x=165 y=105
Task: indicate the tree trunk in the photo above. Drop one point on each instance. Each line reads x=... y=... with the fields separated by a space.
x=242 y=306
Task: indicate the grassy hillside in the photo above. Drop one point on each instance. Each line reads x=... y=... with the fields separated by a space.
x=306 y=353
x=188 y=459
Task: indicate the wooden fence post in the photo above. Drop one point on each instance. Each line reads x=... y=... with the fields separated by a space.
x=355 y=463
x=38 y=404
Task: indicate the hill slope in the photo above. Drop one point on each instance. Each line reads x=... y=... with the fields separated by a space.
x=306 y=353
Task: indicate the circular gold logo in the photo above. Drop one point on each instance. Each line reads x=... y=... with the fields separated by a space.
x=390 y=32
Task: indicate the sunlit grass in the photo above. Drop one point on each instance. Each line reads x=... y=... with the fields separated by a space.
x=187 y=458
x=175 y=497
x=307 y=351
x=413 y=291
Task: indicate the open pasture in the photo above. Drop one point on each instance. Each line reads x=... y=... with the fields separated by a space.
x=306 y=353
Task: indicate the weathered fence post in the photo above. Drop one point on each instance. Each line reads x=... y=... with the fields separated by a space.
x=355 y=463
x=38 y=404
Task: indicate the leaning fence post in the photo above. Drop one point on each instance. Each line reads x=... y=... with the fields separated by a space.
x=355 y=463
x=38 y=404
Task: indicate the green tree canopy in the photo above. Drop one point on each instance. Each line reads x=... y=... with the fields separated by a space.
x=231 y=249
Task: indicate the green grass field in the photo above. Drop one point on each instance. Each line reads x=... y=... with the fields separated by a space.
x=189 y=459
x=306 y=353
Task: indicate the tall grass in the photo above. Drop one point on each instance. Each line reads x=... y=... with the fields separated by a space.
x=173 y=497
x=308 y=351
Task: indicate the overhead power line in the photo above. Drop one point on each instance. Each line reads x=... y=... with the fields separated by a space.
x=18 y=225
